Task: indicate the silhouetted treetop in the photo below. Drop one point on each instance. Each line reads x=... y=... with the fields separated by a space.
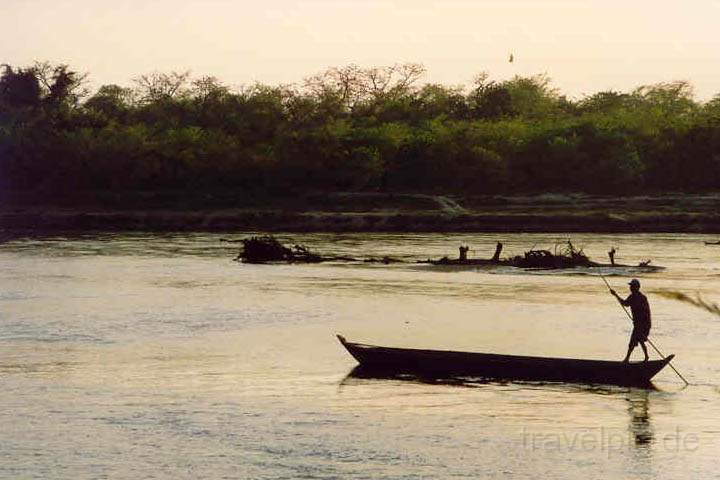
x=350 y=128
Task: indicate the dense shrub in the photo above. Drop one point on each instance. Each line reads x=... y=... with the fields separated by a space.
x=350 y=129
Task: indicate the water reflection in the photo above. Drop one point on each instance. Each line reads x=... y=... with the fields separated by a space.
x=638 y=408
x=360 y=373
x=606 y=431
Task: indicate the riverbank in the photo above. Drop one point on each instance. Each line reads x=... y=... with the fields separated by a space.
x=372 y=212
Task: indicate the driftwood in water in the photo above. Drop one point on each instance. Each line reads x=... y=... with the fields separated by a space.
x=568 y=257
x=498 y=249
x=267 y=248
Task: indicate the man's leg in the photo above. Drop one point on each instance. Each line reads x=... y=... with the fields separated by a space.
x=630 y=349
x=634 y=340
x=644 y=348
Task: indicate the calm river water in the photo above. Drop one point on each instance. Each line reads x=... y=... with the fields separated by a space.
x=157 y=356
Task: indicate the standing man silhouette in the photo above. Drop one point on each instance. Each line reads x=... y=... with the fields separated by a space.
x=640 y=308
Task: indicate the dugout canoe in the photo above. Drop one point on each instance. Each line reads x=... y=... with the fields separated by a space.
x=444 y=364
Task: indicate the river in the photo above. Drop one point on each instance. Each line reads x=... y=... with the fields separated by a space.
x=157 y=356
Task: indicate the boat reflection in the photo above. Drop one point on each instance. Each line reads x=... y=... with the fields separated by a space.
x=640 y=432
x=365 y=373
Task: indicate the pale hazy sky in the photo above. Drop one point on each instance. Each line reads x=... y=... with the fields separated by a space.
x=585 y=45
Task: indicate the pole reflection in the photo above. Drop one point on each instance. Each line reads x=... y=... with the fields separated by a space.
x=640 y=425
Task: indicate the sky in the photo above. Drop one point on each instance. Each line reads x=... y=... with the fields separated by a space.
x=584 y=46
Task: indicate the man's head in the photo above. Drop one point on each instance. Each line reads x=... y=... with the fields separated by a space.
x=634 y=285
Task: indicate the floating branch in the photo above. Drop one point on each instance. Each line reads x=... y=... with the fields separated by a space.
x=698 y=302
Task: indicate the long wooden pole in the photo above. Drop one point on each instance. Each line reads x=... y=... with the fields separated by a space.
x=649 y=341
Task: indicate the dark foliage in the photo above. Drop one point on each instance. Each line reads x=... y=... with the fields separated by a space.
x=349 y=128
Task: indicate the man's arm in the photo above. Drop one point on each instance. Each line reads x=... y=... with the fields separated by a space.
x=625 y=302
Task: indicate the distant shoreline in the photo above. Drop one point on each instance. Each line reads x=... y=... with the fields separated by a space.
x=275 y=221
x=376 y=212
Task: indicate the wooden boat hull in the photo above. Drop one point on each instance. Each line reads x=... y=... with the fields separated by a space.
x=444 y=364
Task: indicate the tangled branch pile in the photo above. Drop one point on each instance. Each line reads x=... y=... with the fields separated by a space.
x=267 y=248
x=568 y=257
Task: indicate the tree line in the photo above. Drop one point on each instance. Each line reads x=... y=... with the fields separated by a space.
x=350 y=128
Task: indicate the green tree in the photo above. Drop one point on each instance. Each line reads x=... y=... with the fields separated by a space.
x=19 y=88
